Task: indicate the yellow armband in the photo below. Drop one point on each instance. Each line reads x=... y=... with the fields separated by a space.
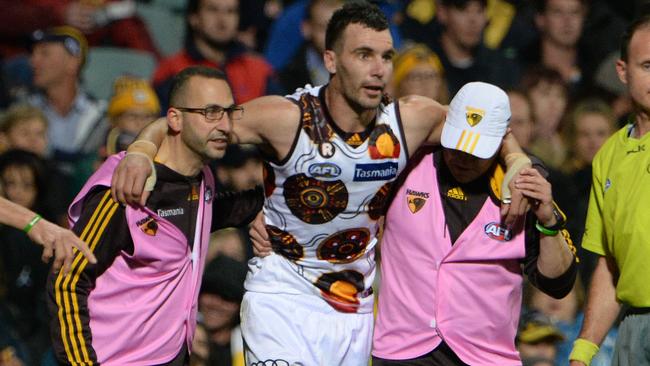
x=583 y=351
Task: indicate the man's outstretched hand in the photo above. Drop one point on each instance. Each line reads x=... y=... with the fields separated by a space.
x=58 y=242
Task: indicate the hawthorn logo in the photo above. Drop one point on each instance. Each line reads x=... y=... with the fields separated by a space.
x=148 y=226
x=474 y=115
x=416 y=200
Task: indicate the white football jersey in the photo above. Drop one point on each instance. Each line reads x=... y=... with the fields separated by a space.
x=322 y=206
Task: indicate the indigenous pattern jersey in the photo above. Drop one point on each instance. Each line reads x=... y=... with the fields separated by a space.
x=322 y=206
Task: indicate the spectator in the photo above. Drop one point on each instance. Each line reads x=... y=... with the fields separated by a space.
x=231 y=242
x=567 y=316
x=212 y=41
x=521 y=120
x=24 y=127
x=285 y=38
x=418 y=71
x=22 y=175
x=133 y=105
x=222 y=291
x=462 y=52
x=307 y=66
x=112 y=22
x=200 y=346
x=537 y=337
x=589 y=125
x=560 y=24
x=76 y=128
x=548 y=95
x=241 y=168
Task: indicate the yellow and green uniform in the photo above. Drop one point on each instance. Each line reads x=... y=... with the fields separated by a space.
x=618 y=219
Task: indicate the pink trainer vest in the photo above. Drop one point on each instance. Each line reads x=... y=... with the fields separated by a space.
x=468 y=294
x=144 y=305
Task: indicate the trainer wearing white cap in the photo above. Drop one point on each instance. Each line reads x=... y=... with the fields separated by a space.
x=451 y=272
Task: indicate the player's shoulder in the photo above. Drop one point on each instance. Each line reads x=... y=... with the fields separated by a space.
x=418 y=103
x=414 y=108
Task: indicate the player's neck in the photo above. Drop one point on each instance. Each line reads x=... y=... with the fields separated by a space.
x=174 y=154
x=346 y=116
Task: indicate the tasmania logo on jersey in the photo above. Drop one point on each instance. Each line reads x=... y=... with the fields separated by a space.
x=497 y=232
x=379 y=171
x=416 y=200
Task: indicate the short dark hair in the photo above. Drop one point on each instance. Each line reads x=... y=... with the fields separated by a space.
x=355 y=12
x=540 y=5
x=538 y=74
x=180 y=80
x=21 y=158
x=642 y=21
x=462 y=4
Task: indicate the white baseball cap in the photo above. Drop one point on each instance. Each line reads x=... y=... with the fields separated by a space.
x=477 y=120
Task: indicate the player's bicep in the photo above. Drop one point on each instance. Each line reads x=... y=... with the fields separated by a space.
x=423 y=119
x=265 y=120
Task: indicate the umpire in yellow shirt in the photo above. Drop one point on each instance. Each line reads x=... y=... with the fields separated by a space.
x=618 y=220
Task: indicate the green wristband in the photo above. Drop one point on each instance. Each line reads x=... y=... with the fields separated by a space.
x=583 y=351
x=544 y=230
x=31 y=223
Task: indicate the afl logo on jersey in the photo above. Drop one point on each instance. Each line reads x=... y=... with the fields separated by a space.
x=497 y=232
x=324 y=170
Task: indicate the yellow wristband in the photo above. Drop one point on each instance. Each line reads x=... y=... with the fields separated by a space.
x=583 y=351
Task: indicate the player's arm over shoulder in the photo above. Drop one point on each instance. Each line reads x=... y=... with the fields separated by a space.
x=422 y=119
x=271 y=120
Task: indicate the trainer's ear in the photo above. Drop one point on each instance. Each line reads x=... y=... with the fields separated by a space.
x=174 y=119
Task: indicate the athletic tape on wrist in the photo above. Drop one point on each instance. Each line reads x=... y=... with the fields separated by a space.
x=520 y=161
x=137 y=146
x=150 y=183
x=583 y=351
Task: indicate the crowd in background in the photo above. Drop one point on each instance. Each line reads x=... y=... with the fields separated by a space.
x=556 y=59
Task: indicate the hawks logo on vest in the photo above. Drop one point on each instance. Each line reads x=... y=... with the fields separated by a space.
x=416 y=200
x=495 y=231
x=324 y=170
x=148 y=225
